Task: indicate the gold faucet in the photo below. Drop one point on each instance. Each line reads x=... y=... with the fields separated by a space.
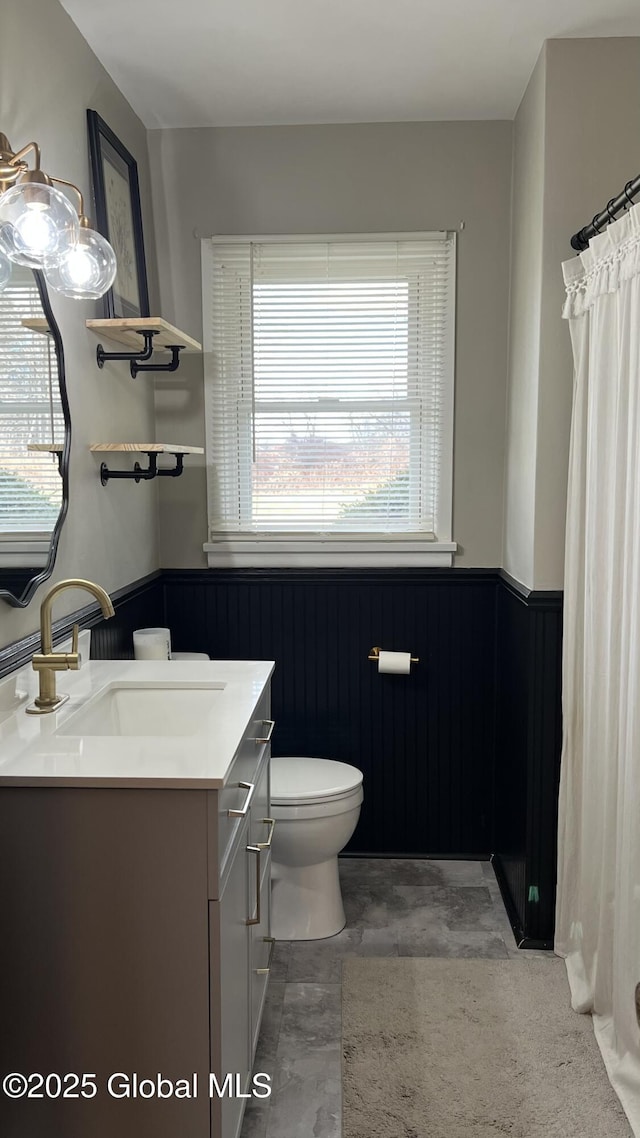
x=47 y=662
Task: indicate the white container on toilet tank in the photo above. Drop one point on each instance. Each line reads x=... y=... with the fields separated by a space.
x=152 y=644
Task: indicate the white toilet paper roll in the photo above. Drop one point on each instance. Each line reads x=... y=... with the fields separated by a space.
x=396 y=662
x=152 y=644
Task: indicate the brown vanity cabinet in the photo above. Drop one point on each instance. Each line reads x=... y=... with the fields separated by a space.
x=131 y=945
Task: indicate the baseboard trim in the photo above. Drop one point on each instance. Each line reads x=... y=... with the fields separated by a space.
x=417 y=856
x=509 y=904
x=536 y=945
x=522 y=941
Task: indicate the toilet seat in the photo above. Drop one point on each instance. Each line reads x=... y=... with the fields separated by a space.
x=302 y=781
x=321 y=808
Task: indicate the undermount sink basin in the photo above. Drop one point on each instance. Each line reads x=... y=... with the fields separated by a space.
x=148 y=709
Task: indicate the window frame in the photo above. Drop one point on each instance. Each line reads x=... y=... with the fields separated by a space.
x=311 y=549
x=24 y=547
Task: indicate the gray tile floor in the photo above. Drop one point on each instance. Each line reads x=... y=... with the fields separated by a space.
x=393 y=908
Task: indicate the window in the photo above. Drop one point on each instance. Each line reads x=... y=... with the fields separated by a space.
x=329 y=393
x=30 y=412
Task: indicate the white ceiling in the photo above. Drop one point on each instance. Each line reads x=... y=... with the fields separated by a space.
x=256 y=62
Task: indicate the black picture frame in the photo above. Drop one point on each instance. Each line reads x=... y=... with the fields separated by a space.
x=119 y=218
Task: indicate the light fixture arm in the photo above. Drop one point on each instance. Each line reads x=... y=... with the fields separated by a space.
x=12 y=164
x=19 y=155
x=84 y=221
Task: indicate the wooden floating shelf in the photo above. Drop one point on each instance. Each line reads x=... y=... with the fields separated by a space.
x=147 y=448
x=152 y=450
x=36 y=324
x=48 y=448
x=128 y=332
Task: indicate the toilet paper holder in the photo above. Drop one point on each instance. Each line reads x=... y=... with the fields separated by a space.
x=374 y=655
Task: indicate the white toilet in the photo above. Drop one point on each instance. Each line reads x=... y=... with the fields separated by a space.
x=316 y=805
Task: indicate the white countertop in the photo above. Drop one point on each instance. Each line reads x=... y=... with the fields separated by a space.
x=33 y=754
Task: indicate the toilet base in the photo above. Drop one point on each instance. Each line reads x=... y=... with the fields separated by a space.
x=306 y=901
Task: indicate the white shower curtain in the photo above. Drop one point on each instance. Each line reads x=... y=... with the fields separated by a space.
x=598 y=906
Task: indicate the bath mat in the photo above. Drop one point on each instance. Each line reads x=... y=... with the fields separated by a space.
x=438 y=1048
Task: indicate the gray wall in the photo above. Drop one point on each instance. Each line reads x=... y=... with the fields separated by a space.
x=590 y=152
x=48 y=78
x=570 y=152
x=576 y=143
x=333 y=179
x=524 y=338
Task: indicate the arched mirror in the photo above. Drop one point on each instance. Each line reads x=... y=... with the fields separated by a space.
x=35 y=437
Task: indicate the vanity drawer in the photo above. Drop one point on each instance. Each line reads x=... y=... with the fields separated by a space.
x=242 y=796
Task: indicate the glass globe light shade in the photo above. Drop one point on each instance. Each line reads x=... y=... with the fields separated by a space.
x=36 y=222
x=86 y=270
x=5 y=271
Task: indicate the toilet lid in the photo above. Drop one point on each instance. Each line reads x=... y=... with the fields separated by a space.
x=295 y=781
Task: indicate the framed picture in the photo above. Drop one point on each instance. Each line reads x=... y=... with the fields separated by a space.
x=119 y=218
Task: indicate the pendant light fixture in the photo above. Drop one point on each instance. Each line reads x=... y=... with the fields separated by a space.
x=40 y=228
x=86 y=269
x=36 y=221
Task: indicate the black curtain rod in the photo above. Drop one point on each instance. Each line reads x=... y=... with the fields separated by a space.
x=581 y=239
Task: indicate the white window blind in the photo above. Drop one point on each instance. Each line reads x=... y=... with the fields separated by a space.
x=30 y=412
x=329 y=369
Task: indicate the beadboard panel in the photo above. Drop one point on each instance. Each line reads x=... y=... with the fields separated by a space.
x=544 y=768
x=140 y=607
x=529 y=740
x=513 y=618
x=461 y=758
x=425 y=742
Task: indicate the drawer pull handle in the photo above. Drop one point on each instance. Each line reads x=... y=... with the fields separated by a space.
x=267 y=845
x=270 y=723
x=256 y=920
x=247 y=802
x=271 y=941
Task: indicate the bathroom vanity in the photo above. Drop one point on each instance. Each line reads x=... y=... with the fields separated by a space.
x=135 y=899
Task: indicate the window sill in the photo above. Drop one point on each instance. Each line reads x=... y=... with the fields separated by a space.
x=18 y=553
x=296 y=552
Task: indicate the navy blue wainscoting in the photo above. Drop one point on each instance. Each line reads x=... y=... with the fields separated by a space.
x=424 y=742
x=461 y=758
x=528 y=757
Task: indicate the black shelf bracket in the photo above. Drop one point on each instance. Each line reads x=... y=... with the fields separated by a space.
x=145 y=354
x=173 y=365
x=142 y=474
x=137 y=360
